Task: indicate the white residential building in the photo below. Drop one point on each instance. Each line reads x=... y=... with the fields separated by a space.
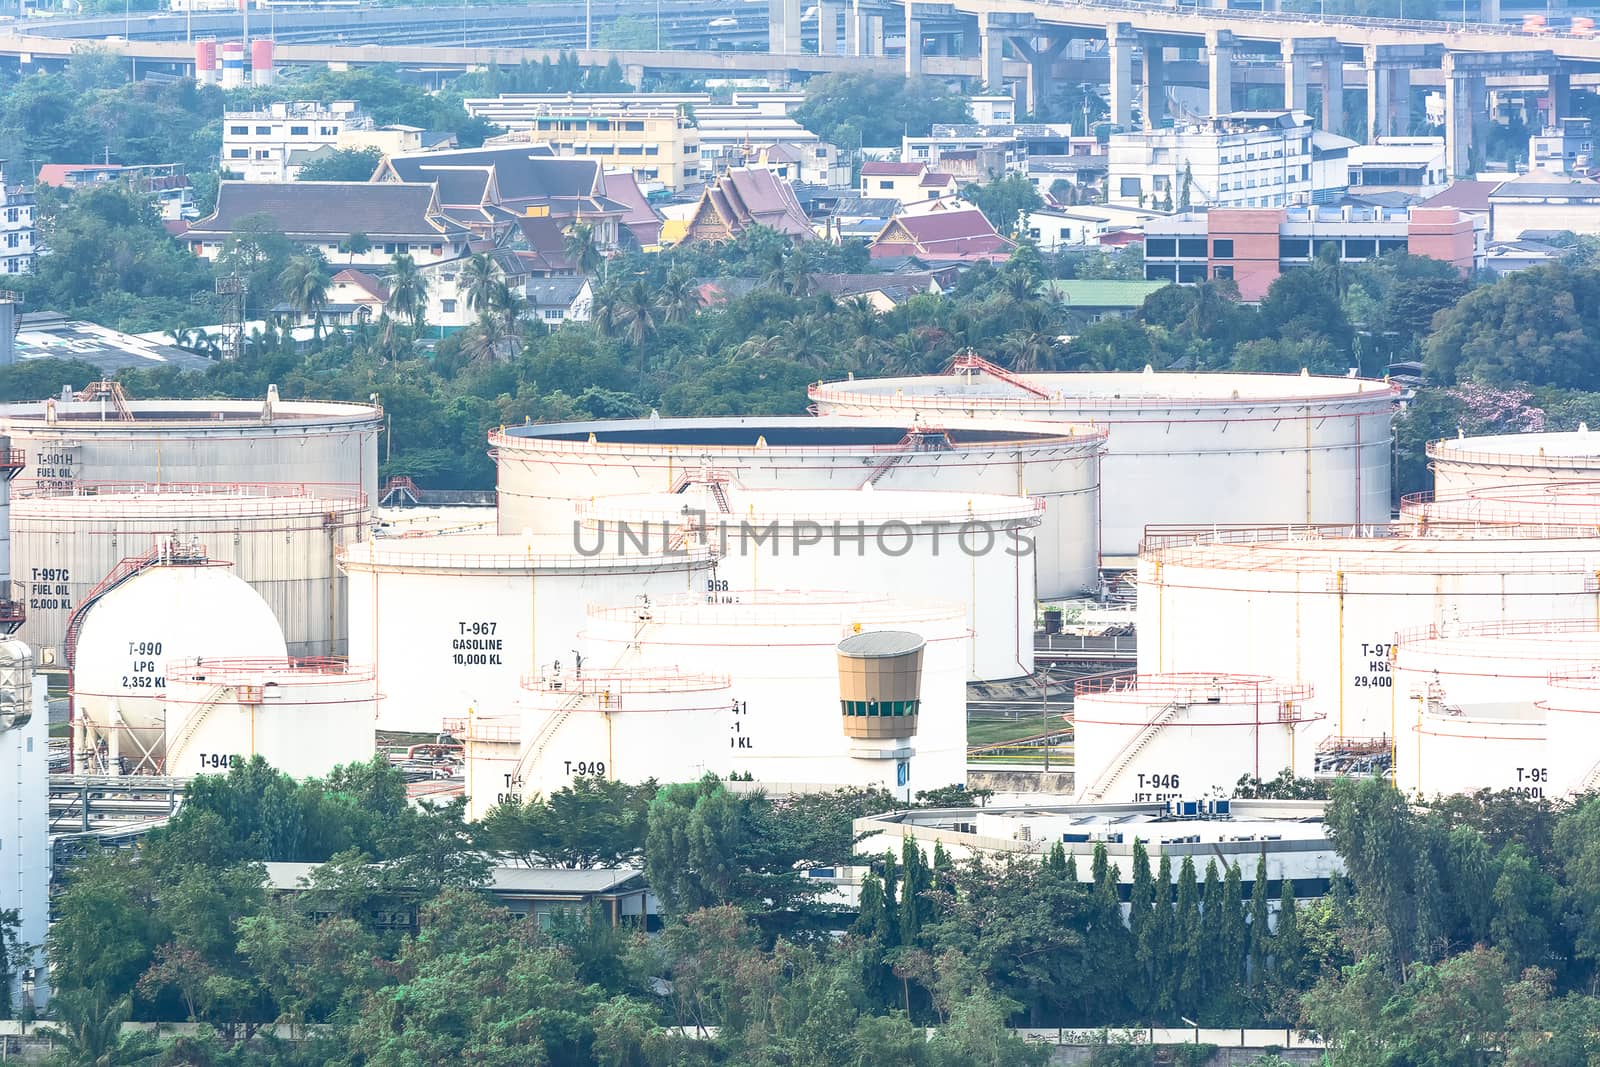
x=1415 y=165
x=18 y=240
x=269 y=145
x=1242 y=159
x=1079 y=225
x=1567 y=147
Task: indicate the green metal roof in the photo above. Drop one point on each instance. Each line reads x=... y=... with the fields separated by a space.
x=1103 y=292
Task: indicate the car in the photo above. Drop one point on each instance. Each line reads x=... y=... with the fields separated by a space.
x=726 y=22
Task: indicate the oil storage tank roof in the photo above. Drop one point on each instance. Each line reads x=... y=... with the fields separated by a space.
x=841 y=432
x=1122 y=390
x=880 y=644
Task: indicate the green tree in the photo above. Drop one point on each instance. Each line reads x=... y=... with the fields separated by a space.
x=851 y=109
x=1006 y=202
x=343 y=165
x=304 y=283
x=408 y=289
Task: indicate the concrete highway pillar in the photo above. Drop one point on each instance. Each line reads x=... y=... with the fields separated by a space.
x=852 y=28
x=1154 y=78
x=1560 y=97
x=1120 y=43
x=827 y=29
x=1294 y=79
x=783 y=26
x=1465 y=115
x=913 y=42
x=633 y=74
x=991 y=55
x=1219 y=54
x=1333 y=92
x=874 y=35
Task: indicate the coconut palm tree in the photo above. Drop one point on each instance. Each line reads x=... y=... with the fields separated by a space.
x=506 y=303
x=581 y=248
x=408 y=289
x=678 y=297
x=90 y=1030
x=634 y=317
x=478 y=277
x=305 y=283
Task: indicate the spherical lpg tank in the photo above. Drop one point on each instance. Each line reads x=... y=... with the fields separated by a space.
x=1163 y=737
x=1572 y=730
x=1184 y=448
x=107 y=438
x=1464 y=463
x=780 y=651
x=545 y=471
x=454 y=622
x=282 y=539
x=978 y=549
x=625 y=724
x=164 y=613
x=1324 y=606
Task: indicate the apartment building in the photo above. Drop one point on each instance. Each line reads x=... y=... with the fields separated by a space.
x=657 y=143
x=18 y=239
x=1564 y=147
x=1244 y=159
x=270 y=145
x=1413 y=165
x=1254 y=246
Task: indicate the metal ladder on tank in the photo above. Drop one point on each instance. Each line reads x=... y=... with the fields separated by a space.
x=969 y=361
x=1135 y=745
x=1590 y=781
x=178 y=745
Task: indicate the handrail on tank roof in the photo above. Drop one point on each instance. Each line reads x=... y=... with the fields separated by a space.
x=598 y=681
x=1065 y=434
x=254 y=668
x=70 y=488
x=1532 y=627
x=602 y=511
x=1440 y=450
x=375 y=558
x=1196 y=687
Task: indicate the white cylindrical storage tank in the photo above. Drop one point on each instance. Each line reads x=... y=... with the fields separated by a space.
x=1324 y=606
x=544 y=471
x=111 y=439
x=232 y=64
x=261 y=61
x=205 y=60
x=164 y=613
x=1184 y=736
x=303 y=716
x=1184 y=448
x=780 y=651
x=973 y=548
x=282 y=539
x=1572 y=725
x=625 y=724
x=1540 y=509
x=1443 y=748
x=453 y=623
x=1464 y=463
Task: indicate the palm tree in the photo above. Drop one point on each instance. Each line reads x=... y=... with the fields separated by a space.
x=90 y=1030
x=634 y=315
x=478 y=277
x=408 y=289
x=581 y=248
x=487 y=337
x=506 y=303
x=678 y=297
x=305 y=282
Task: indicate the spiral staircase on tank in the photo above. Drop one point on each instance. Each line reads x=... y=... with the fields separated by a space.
x=1129 y=752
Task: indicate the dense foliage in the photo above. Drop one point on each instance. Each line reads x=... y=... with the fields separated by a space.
x=1466 y=932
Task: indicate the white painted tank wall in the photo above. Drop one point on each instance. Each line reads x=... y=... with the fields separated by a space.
x=1466 y=463
x=489 y=748
x=545 y=471
x=1326 y=611
x=625 y=725
x=161 y=615
x=1504 y=510
x=303 y=717
x=24 y=825
x=282 y=539
x=1486 y=746
x=310 y=442
x=1572 y=724
x=975 y=549
x=1189 y=736
x=1185 y=448
x=779 y=649
x=455 y=622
